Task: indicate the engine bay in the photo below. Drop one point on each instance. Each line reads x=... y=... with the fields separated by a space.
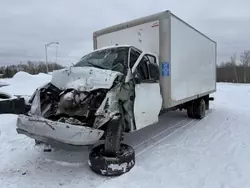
x=70 y=106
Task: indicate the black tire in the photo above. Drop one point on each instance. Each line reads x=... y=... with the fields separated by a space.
x=199 y=109
x=190 y=110
x=207 y=105
x=113 y=137
x=112 y=166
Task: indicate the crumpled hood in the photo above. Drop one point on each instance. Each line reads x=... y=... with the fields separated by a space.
x=84 y=78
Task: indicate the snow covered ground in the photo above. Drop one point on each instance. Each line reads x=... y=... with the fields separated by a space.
x=177 y=152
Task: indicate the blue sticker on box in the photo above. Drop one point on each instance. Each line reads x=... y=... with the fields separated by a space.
x=165 y=69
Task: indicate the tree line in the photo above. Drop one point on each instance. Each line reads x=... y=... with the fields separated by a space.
x=233 y=71
x=230 y=71
x=29 y=67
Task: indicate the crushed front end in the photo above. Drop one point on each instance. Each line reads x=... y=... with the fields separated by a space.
x=74 y=112
x=80 y=101
x=63 y=116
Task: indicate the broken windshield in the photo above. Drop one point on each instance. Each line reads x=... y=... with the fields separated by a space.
x=115 y=59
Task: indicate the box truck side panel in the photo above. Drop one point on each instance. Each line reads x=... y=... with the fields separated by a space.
x=144 y=36
x=193 y=62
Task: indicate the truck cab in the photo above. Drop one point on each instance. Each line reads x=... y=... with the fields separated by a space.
x=115 y=84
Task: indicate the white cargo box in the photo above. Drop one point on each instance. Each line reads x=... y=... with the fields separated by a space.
x=187 y=58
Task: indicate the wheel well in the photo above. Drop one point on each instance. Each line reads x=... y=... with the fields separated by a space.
x=186 y=105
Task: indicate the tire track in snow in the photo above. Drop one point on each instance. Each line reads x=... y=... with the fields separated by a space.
x=160 y=137
x=160 y=133
x=155 y=140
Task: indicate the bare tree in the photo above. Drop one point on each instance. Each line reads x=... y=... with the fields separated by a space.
x=245 y=60
x=233 y=62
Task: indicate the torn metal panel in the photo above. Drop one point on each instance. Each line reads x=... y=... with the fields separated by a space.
x=36 y=105
x=119 y=100
x=84 y=78
x=109 y=107
x=127 y=95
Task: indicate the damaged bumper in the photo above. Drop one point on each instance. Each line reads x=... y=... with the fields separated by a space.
x=50 y=131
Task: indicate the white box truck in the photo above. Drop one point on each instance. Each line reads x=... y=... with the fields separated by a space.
x=137 y=71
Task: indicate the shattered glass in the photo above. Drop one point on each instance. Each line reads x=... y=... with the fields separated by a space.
x=115 y=59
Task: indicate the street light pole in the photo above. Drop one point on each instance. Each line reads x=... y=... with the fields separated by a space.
x=47 y=67
x=46 y=53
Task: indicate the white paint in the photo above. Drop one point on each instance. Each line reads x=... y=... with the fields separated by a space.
x=112 y=46
x=193 y=62
x=84 y=78
x=116 y=167
x=148 y=103
x=62 y=132
x=143 y=36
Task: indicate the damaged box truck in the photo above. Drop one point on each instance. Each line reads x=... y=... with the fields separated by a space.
x=137 y=71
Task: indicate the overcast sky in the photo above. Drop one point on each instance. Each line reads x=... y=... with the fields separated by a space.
x=27 y=25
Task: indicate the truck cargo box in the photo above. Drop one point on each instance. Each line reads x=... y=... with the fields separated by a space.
x=187 y=58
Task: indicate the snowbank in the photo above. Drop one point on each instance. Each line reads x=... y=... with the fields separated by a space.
x=24 y=83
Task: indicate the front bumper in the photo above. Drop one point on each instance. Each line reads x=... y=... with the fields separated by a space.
x=46 y=131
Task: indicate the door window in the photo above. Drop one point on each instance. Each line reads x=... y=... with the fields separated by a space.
x=153 y=68
x=134 y=55
x=141 y=71
x=147 y=69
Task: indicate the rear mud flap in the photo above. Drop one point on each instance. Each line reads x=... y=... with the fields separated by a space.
x=13 y=106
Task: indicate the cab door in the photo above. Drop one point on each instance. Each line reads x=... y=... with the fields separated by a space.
x=148 y=99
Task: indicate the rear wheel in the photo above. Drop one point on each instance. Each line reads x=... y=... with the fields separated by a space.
x=190 y=110
x=207 y=104
x=199 y=109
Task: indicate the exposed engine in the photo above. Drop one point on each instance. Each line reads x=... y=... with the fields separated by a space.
x=70 y=106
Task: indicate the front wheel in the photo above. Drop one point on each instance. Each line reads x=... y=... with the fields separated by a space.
x=113 y=137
